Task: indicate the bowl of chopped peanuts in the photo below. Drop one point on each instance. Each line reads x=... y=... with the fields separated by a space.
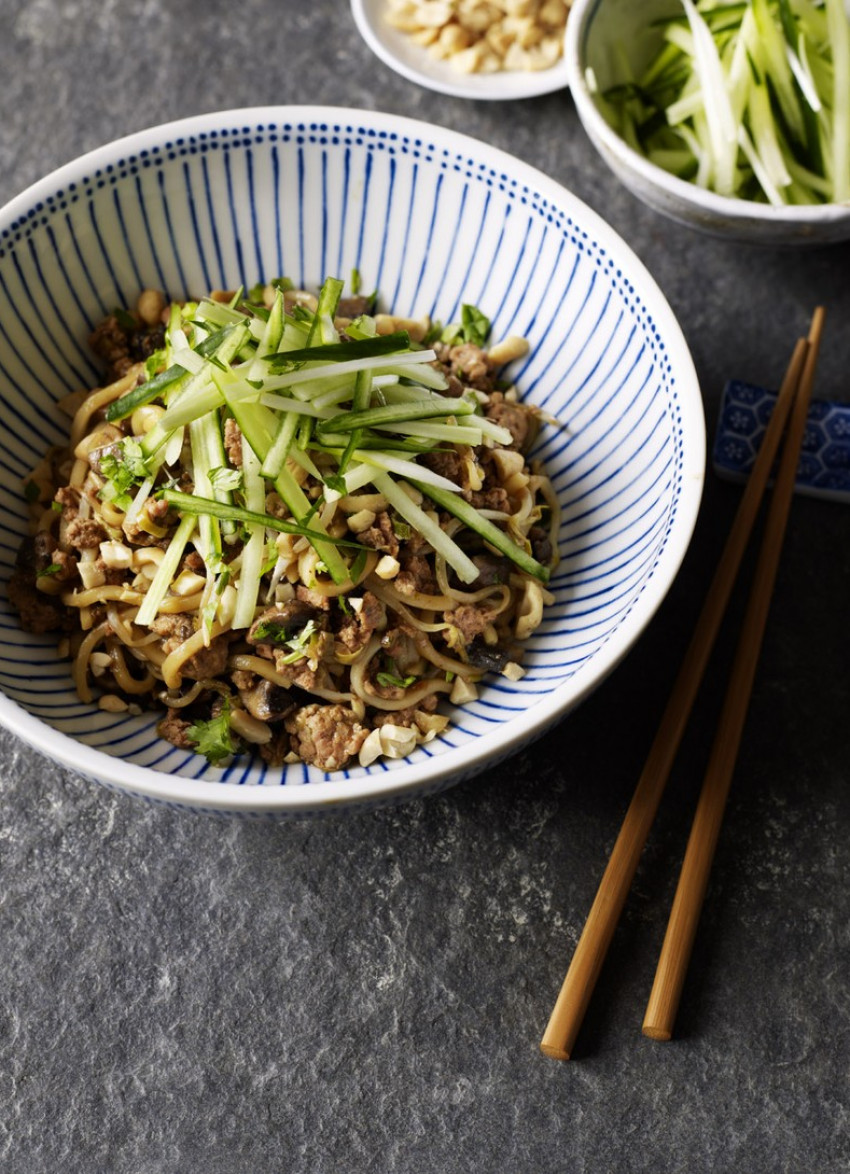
x=489 y=50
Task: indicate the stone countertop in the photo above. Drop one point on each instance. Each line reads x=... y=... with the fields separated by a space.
x=367 y=993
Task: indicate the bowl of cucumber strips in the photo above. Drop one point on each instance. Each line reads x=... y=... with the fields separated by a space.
x=731 y=118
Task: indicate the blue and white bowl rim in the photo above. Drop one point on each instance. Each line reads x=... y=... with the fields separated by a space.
x=467 y=759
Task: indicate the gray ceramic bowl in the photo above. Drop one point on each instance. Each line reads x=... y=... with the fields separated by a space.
x=594 y=29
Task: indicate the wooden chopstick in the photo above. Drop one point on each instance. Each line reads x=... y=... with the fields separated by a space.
x=687 y=903
x=572 y=1002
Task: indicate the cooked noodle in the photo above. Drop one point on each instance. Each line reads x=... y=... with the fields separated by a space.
x=243 y=633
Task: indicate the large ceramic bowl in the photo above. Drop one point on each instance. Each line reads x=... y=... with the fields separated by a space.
x=430 y=218
x=601 y=34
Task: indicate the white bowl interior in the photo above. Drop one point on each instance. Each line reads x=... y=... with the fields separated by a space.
x=431 y=219
x=617 y=31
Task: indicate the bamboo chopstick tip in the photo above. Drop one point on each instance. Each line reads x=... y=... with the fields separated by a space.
x=661 y=1034
x=553 y=1052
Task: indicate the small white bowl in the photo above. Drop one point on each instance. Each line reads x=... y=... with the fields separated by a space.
x=403 y=55
x=431 y=219
x=599 y=34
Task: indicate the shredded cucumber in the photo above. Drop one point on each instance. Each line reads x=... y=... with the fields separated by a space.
x=350 y=410
x=750 y=100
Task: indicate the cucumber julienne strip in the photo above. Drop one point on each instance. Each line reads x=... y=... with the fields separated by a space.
x=359 y=403
x=360 y=348
x=253 y=553
x=198 y=396
x=166 y=571
x=470 y=516
x=453 y=433
x=165 y=381
x=322 y=325
x=411 y=364
x=421 y=410
x=209 y=531
x=192 y=506
x=275 y=458
x=430 y=530
x=139 y=396
x=257 y=425
x=403 y=467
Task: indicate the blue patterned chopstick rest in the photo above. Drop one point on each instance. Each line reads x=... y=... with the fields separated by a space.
x=824 y=468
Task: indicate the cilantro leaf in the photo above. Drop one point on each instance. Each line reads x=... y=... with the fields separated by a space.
x=473 y=327
x=267 y=631
x=434 y=334
x=401 y=529
x=476 y=326
x=213 y=738
x=153 y=363
x=124 y=467
x=270 y=563
x=53 y=569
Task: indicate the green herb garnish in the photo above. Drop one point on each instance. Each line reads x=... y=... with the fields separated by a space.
x=123 y=470
x=473 y=327
x=401 y=529
x=153 y=363
x=476 y=326
x=268 y=632
x=214 y=738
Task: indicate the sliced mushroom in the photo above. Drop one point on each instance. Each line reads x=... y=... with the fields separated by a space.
x=492 y=569
x=490 y=658
x=267 y=701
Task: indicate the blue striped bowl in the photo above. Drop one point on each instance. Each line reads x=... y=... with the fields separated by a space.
x=431 y=219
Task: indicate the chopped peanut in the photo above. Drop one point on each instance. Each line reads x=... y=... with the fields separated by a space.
x=485 y=36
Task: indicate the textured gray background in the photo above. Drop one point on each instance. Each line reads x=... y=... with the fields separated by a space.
x=179 y=994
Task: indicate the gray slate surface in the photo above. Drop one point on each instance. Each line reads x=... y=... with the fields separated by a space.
x=182 y=994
